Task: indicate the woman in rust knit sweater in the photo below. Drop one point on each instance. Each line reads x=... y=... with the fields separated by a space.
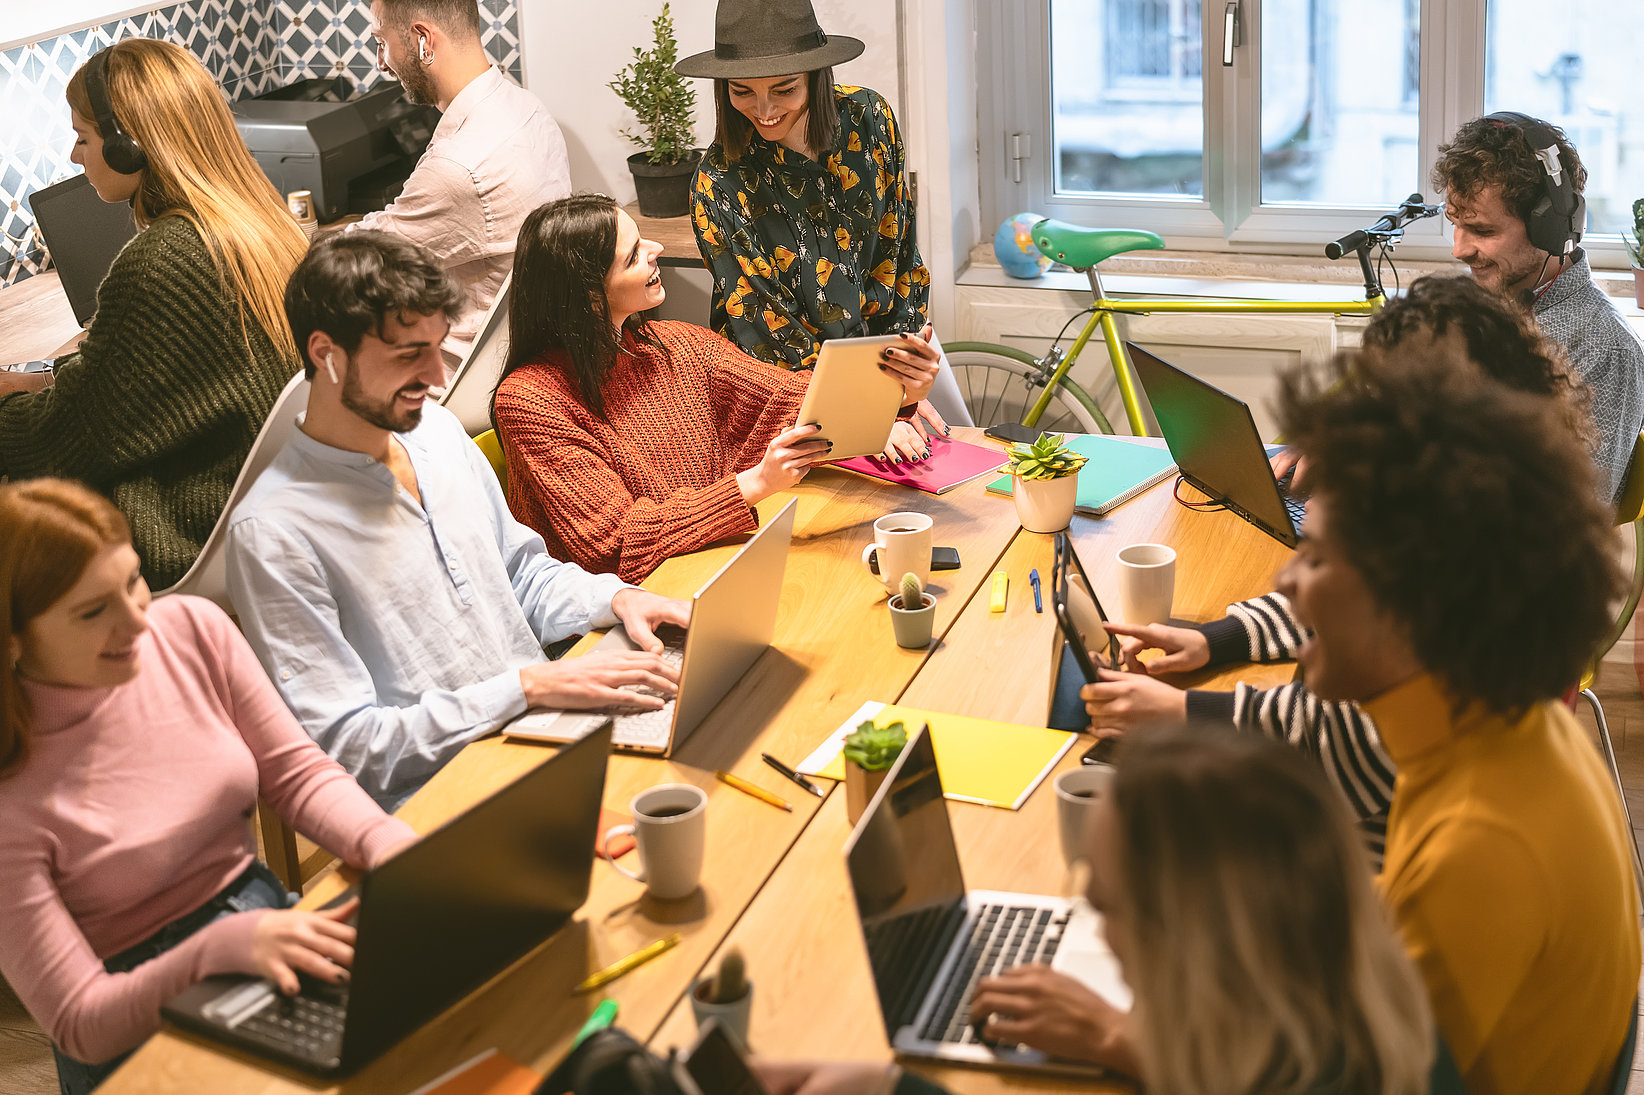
x=631 y=440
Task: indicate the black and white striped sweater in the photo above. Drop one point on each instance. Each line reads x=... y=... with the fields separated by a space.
x=1340 y=736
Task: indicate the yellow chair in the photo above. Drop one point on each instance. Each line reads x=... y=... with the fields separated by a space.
x=491 y=445
x=1629 y=510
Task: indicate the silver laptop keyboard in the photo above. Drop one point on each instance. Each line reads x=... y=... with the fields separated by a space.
x=648 y=729
x=998 y=938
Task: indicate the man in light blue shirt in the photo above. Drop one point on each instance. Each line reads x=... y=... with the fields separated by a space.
x=396 y=603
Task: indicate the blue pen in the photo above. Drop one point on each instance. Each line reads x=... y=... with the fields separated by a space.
x=1033 y=580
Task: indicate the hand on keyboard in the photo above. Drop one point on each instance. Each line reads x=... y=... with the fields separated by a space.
x=627 y=678
x=292 y=941
x=1050 y=1011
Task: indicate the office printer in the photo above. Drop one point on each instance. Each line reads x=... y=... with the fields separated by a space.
x=351 y=149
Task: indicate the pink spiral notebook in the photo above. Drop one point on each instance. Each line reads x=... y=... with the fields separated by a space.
x=950 y=464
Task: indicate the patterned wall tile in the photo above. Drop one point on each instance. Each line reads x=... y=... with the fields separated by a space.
x=248 y=46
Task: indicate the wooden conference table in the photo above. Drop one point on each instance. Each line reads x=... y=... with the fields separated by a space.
x=774 y=882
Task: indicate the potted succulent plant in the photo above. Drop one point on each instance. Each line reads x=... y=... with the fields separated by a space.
x=1635 y=250
x=1047 y=483
x=913 y=614
x=665 y=105
x=869 y=752
x=726 y=995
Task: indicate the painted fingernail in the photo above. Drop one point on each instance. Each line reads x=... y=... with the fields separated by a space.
x=925 y=455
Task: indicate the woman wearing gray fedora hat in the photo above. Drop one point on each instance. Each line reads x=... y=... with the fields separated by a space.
x=801 y=206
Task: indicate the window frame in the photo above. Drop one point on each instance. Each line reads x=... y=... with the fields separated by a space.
x=1015 y=69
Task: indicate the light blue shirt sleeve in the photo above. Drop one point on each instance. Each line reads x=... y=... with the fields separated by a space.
x=291 y=619
x=558 y=599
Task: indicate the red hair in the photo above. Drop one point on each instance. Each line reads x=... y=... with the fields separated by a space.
x=50 y=531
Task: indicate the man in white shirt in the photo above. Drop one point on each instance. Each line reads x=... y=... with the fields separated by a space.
x=398 y=607
x=495 y=156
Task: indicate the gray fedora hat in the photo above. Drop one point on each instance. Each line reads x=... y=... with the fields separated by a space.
x=759 y=38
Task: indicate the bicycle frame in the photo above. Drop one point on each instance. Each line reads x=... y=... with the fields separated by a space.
x=1107 y=307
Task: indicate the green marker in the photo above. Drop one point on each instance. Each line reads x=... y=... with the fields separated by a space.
x=603 y=1016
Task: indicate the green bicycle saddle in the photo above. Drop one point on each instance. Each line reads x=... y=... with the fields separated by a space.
x=1082 y=248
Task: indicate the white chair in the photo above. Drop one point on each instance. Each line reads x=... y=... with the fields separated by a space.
x=208 y=577
x=468 y=396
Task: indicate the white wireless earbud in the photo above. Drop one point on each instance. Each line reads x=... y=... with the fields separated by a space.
x=422 y=50
x=330 y=368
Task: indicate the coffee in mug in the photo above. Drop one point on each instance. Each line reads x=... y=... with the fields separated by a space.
x=902 y=542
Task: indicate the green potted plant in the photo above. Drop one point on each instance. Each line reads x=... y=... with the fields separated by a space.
x=726 y=995
x=665 y=105
x=869 y=752
x=913 y=614
x=1047 y=483
x=1635 y=250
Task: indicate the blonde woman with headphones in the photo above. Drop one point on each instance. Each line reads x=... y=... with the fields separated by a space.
x=189 y=346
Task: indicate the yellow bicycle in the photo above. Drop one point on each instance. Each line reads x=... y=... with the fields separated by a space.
x=1004 y=384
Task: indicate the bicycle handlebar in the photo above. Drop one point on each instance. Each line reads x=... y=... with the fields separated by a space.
x=1412 y=208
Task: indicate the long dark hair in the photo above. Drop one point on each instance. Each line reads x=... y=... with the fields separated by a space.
x=733 y=131
x=557 y=300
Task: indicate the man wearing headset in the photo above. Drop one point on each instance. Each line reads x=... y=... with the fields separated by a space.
x=1513 y=187
x=495 y=156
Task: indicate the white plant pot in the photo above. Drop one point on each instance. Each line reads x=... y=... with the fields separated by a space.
x=1046 y=505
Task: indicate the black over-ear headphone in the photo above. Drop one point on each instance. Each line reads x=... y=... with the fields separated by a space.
x=1556 y=221
x=122 y=154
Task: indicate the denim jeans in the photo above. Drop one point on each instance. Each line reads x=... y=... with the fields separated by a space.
x=256 y=888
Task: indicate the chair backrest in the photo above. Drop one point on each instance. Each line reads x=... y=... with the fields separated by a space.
x=208 y=577
x=468 y=396
x=1629 y=506
x=491 y=445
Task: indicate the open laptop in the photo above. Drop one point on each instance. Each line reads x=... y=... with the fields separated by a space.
x=83 y=234
x=929 y=941
x=733 y=619
x=1216 y=446
x=435 y=922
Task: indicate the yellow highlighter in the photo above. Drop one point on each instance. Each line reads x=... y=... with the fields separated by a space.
x=1001 y=586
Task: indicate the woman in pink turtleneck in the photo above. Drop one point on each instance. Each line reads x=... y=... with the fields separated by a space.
x=134 y=741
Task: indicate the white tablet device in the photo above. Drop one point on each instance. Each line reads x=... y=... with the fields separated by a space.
x=851 y=398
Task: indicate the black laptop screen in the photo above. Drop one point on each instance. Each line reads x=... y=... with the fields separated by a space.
x=83 y=233
x=1214 y=441
x=910 y=894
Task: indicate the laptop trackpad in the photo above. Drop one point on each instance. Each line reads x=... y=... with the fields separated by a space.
x=1085 y=957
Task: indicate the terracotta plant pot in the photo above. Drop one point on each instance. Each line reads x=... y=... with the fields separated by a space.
x=913 y=626
x=664 y=189
x=860 y=787
x=1638 y=285
x=1046 y=505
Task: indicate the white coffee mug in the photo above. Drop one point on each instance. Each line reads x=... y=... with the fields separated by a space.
x=670 y=828
x=902 y=541
x=1076 y=794
x=1147 y=583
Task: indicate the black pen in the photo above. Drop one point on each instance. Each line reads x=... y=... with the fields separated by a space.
x=1033 y=580
x=791 y=774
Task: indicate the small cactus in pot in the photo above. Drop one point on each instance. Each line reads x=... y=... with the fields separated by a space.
x=913 y=614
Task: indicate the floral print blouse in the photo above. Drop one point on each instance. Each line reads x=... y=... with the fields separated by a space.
x=804 y=250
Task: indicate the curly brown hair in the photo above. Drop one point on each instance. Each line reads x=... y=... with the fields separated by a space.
x=1472 y=517
x=1501 y=338
x=1489 y=152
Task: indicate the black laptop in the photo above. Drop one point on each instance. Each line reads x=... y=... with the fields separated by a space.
x=83 y=233
x=435 y=922
x=1214 y=441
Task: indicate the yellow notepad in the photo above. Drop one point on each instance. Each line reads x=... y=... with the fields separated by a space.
x=992 y=763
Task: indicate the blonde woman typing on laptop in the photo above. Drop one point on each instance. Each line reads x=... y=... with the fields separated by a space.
x=630 y=440
x=135 y=740
x=1234 y=894
x=189 y=347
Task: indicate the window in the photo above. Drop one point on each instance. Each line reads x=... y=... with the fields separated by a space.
x=1580 y=72
x=1329 y=112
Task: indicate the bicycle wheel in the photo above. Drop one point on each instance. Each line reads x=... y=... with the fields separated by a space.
x=1001 y=383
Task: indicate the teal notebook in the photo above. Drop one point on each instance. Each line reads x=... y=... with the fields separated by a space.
x=1119 y=468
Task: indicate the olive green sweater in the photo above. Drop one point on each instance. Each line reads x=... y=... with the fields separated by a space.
x=158 y=409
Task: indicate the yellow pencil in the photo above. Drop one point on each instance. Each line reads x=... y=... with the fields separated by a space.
x=751 y=789
x=632 y=962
